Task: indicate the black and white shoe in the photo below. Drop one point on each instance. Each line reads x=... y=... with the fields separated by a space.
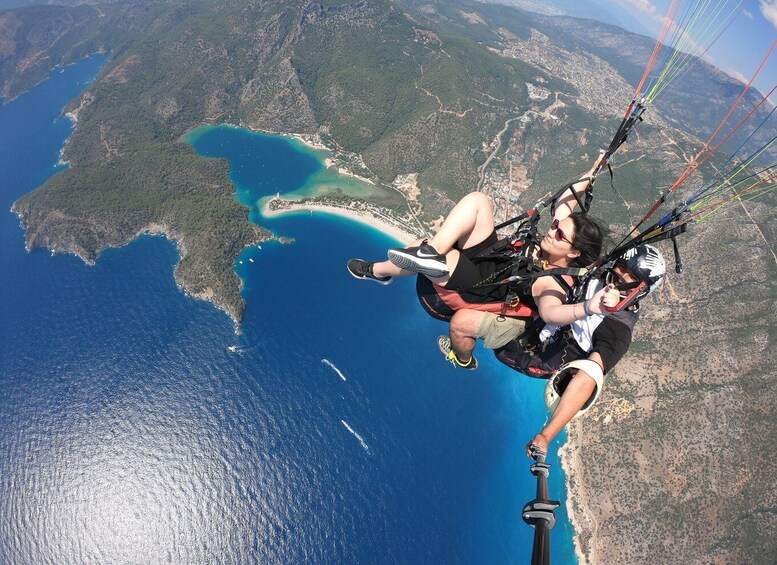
x=363 y=270
x=446 y=348
x=423 y=259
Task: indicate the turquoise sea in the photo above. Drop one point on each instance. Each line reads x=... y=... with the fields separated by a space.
x=137 y=427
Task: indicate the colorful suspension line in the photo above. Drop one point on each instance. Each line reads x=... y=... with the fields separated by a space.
x=694 y=163
x=656 y=50
x=711 y=183
x=675 y=222
x=699 y=27
x=719 y=32
x=691 y=41
x=722 y=141
x=708 y=193
x=764 y=186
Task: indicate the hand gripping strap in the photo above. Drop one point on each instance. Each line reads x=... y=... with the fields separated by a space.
x=557 y=383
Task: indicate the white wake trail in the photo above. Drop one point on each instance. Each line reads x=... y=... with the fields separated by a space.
x=328 y=363
x=357 y=436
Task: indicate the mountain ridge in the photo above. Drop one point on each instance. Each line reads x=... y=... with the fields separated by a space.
x=517 y=105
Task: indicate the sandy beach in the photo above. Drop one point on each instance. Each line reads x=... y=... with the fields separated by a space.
x=365 y=217
x=581 y=520
x=315 y=144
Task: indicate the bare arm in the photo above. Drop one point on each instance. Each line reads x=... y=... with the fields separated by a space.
x=577 y=393
x=550 y=302
x=567 y=203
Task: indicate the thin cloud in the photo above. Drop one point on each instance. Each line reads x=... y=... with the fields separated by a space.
x=748 y=14
x=645 y=7
x=733 y=73
x=769 y=11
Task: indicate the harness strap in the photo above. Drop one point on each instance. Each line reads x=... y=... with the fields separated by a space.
x=678 y=264
x=529 y=339
x=558 y=272
x=528 y=214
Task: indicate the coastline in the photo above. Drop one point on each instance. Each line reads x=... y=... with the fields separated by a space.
x=311 y=142
x=577 y=500
x=385 y=223
x=314 y=143
x=157 y=229
x=363 y=216
x=154 y=229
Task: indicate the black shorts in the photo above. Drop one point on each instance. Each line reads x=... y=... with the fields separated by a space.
x=468 y=273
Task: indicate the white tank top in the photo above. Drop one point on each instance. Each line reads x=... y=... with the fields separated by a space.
x=582 y=330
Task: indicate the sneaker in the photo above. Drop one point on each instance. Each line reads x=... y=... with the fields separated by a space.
x=444 y=343
x=363 y=270
x=423 y=259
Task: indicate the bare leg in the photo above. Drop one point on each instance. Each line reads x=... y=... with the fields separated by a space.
x=463 y=327
x=470 y=222
x=389 y=269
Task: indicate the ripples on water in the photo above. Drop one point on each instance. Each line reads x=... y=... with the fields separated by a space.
x=168 y=448
x=131 y=433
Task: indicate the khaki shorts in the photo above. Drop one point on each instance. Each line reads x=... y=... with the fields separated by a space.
x=497 y=331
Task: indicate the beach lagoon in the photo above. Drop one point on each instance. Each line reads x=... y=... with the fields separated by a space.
x=137 y=427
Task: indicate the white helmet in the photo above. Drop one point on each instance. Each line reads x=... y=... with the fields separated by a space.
x=557 y=383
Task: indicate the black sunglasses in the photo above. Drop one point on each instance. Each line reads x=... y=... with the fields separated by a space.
x=559 y=235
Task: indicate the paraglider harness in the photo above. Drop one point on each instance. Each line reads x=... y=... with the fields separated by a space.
x=526 y=239
x=560 y=341
x=515 y=268
x=517 y=250
x=520 y=247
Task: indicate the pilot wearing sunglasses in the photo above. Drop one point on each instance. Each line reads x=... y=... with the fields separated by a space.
x=575 y=358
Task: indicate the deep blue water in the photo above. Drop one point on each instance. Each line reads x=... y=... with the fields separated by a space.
x=136 y=427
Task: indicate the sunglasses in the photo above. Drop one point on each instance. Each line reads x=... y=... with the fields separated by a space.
x=630 y=291
x=559 y=235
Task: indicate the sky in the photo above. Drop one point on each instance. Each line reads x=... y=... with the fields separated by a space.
x=739 y=50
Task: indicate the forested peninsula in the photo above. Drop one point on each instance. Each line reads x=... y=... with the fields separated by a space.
x=454 y=96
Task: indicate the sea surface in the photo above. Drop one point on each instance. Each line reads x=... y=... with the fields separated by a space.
x=136 y=426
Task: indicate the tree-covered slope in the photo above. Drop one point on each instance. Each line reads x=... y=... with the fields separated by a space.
x=466 y=95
